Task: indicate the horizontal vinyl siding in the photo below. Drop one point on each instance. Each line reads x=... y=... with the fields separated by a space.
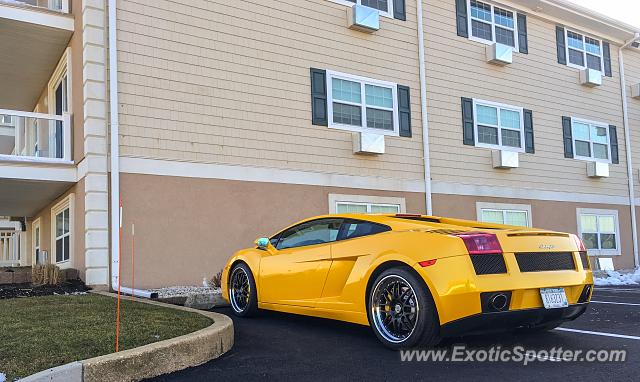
x=632 y=77
x=456 y=67
x=228 y=82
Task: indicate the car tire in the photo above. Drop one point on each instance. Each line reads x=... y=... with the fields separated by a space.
x=243 y=295
x=401 y=310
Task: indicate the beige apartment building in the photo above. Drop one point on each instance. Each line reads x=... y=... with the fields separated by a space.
x=216 y=122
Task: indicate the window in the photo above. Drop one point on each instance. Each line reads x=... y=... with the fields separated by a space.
x=583 y=51
x=498 y=126
x=35 y=226
x=62 y=231
x=345 y=204
x=63 y=235
x=6 y=120
x=366 y=208
x=355 y=228
x=384 y=6
x=362 y=104
x=509 y=214
x=599 y=231
x=489 y=23
x=590 y=140
x=310 y=233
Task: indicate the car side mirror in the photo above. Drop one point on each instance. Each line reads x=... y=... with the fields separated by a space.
x=265 y=244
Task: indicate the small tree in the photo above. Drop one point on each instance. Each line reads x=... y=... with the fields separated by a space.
x=216 y=280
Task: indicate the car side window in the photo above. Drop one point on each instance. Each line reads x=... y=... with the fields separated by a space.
x=310 y=233
x=357 y=228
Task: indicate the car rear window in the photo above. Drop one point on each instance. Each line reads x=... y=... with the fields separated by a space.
x=357 y=228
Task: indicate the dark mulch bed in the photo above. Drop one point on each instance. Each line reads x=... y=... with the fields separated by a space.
x=30 y=290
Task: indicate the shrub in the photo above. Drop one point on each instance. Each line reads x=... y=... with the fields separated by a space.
x=216 y=280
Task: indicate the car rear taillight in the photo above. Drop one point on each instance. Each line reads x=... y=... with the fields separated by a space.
x=480 y=243
x=578 y=242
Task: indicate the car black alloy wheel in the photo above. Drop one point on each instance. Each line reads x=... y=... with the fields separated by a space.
x=401 y=310
x=239 y=289
x=394 y=308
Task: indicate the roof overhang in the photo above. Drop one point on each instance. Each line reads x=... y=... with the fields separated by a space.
x=32 y=43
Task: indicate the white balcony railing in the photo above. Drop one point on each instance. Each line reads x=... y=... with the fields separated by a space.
x=9 y=248
x=52 y=5
x=28 y=136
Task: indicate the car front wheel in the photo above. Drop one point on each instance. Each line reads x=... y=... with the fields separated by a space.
x=401 y=310
x=243 y=295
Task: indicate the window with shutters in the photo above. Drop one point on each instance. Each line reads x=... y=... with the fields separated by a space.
x=362 y=104
x=489 y=23
x=498 y=126
x=599 y=231
x=583 y=51
x=500 y=213
x=384 y=6
x=590 y=140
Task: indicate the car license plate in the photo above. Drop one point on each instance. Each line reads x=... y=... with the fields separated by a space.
x=553 y=298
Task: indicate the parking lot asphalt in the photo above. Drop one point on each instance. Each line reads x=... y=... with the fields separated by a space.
x=287 y=347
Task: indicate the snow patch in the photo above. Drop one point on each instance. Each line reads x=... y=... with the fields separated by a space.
x=3 y=377
x=617 y=278
x=182 y=291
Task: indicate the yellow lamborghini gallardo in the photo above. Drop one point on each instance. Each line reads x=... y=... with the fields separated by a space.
x=414 y=278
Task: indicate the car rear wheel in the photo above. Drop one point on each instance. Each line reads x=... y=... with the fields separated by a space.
x=243 y=295
x=401 y=310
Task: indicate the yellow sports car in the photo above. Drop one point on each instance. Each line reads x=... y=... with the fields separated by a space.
x=414 y=278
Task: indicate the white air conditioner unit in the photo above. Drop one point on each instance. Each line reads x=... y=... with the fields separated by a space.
x=597 y=170
x=590 y=77
x=505 y=159
x=368 y=143
x=635 y=91
x=499 y=54
x=363 y=19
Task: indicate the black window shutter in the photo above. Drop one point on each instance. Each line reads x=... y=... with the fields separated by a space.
x=467 y=122
x=319 y=97
x=529 y=144
x=523 y=43
x=399 y=10
x=404 y=110
x=461 y=18
x=560 y=45
x=567 y=137
x=606 y=56
x=613 y=139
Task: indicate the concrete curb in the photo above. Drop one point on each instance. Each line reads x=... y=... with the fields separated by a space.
x=151 y=360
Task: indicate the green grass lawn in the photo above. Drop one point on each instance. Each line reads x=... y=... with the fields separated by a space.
x=38 y=333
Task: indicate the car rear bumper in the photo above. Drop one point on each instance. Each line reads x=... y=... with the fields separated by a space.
x=508 y=320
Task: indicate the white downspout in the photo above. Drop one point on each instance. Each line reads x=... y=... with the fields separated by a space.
x=627 y=141
x=115 y=160
x=423 y=105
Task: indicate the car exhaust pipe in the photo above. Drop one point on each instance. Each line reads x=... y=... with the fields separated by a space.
x=498 y=301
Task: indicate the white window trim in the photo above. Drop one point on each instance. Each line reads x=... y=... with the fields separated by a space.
x=573 y=141
x=499 y=146
x=584 y=50
x=515 y=48
x=35 y=224
x=335 y=199
x=363 y=81
x=480 y=206
x=63 y=68
x=388 y=14
x=67 y=202
x=591 y=211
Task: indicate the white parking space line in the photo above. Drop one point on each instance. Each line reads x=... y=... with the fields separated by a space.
x=598 y=333
x=614 y=303
x=597 y=289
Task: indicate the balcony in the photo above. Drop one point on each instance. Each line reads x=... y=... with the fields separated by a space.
x=33 y=36
x=35 y=137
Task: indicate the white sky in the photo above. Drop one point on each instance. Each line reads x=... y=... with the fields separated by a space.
x=627 y=11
